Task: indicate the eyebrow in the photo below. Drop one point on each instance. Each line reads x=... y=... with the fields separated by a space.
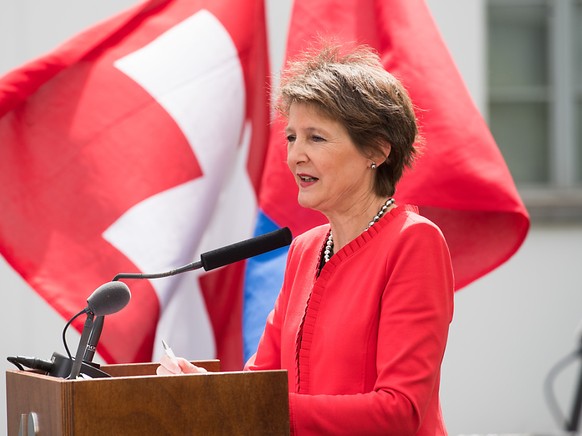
x=308 y=129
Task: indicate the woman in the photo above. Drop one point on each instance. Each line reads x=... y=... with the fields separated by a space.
x=362 y=318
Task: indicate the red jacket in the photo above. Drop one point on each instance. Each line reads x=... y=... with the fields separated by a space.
x=363 y=342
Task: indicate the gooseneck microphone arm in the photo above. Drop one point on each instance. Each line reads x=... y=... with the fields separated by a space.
x=225 y=255
x=190 y=267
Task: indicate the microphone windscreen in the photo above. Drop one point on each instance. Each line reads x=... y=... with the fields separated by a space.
x=108 y=298
x=245 y=249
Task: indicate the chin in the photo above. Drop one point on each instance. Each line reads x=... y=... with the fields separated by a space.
x=306 y=202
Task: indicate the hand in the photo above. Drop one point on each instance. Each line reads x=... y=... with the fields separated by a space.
x=180 y=365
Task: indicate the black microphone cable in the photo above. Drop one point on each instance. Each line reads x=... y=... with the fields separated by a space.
x=69 y=322
x=549 y=393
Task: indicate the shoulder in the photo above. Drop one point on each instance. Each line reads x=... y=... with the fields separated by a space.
x=311 y=237
x=408 y=216
x=307 y=246
x=408 y=225
x=418 y=248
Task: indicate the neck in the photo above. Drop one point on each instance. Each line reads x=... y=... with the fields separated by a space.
x=346 y=227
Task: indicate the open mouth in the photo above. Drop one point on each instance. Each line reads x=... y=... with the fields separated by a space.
x=308 y=179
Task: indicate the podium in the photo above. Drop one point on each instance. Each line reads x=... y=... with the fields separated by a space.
x=135 y=401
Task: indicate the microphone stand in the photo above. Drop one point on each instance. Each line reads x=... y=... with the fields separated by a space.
x=94 y=339
x=78 y=362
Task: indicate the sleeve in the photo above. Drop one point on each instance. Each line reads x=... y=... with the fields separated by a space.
x=415 y=312
x=268 y=355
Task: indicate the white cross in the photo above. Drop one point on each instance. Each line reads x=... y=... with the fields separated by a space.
x=194 y=73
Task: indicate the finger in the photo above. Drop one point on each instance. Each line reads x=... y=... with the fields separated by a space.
x=160 y=370
x=189 y=368
x=170 y=365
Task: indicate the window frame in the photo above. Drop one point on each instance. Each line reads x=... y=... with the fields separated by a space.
x=560 y=198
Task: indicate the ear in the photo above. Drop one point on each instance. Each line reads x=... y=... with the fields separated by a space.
x=381 y=156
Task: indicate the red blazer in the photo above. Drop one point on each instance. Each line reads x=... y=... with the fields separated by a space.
x=363 y=342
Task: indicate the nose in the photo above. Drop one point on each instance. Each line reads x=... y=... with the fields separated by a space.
x=296 y=152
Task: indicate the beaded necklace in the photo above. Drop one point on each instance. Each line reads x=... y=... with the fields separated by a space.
x=329 y=243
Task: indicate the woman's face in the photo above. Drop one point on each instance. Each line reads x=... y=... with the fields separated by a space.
x=332 y=175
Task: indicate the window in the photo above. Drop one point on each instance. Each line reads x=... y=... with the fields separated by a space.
x=535 y=100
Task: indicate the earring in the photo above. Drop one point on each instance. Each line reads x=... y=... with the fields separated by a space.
x=373 y=166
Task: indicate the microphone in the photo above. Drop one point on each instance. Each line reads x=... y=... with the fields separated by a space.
x=107 y=299
x=225 y=255
x=103 y=301
x=245 y=249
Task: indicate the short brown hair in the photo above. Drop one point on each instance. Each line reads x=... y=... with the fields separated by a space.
x=354 y=88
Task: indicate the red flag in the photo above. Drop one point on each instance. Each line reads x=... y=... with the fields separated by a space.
x=461 y=181
x=127 y=150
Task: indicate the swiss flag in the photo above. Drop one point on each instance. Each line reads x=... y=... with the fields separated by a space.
x=460 y=182
x=135 y=147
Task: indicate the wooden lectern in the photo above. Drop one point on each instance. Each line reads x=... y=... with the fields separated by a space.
x=134 y=401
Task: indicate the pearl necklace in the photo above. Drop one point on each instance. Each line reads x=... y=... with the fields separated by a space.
x=329 y=243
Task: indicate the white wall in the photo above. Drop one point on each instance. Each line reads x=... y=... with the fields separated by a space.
x=510 y=327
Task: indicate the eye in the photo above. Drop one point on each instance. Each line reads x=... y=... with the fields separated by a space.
x=290 y=138
x=317 y=138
